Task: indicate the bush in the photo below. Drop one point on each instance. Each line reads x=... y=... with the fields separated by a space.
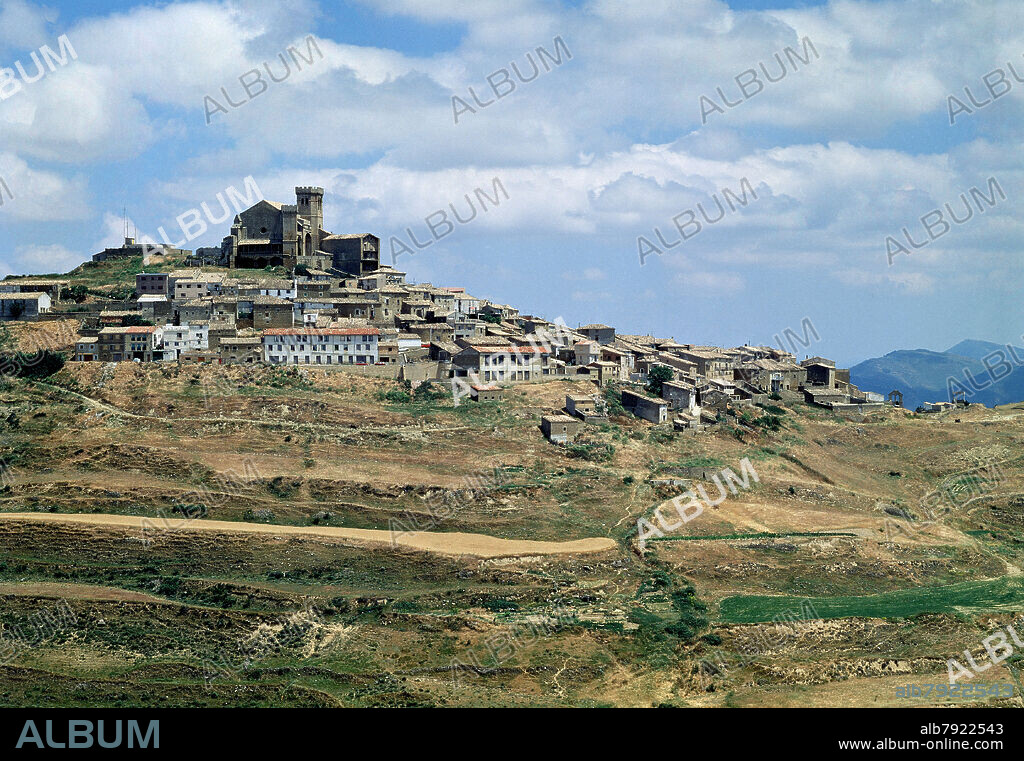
x=259 y=515
x=42 y=364
x=591 y=452
x=191 y=511
x=395 y=396
x=769 y=422
x=341 y=604
x=429 y=391
x=614 y=400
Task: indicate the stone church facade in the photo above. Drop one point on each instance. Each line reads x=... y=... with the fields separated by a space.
x=271 y=234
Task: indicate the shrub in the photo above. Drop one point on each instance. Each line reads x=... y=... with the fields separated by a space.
x=769 y=422
x=614 y=400
x=259 y=515
x=395 y=396
x=591 y=452
x=42 y=364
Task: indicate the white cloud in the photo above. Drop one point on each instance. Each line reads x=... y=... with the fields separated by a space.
x=23 y=27
x=46 y=259
x=916 y=283
x=40 y=195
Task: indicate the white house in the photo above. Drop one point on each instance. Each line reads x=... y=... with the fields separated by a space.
x=321 y=346
x=23 y=306
x=466 y=304
x=176 y=339
x=282 y=289
x=408 y=341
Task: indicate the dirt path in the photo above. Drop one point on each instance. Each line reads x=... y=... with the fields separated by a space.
x=453 y=544
x=76 y=592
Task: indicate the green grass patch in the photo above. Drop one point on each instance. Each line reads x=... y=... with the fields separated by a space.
x=1006 y=592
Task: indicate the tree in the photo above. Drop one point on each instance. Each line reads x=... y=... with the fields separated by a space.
x=656 y=376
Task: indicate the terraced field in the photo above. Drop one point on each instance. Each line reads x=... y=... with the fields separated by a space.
x=222 y=536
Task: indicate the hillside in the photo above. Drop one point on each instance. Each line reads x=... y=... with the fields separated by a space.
x=824 y=583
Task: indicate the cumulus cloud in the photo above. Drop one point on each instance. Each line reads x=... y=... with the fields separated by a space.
x=606 y=146
x=40 y=194
x=46 y=259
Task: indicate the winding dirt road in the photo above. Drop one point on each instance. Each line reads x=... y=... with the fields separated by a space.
x=450 y=544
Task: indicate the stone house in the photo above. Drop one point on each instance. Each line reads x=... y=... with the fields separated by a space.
x=383 y=277
x=318 y=291
x=272 y=312
x=623 y=359
x=587 y=352
x=53 y=288
x=443 y=351
x=580 y=405
x=127 y=344
x=710 y=362
x=484 y=393
x=645 y=407
x=560 y=429
x=86 y=348
x=681 y=396
x=193 y=311
x=771 y=376
x=603 y=373
x=820 y=372
x=155 y=308
x=241 y=351
x=602 y=334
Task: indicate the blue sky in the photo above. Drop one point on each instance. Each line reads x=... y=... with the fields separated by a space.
x=843 y=151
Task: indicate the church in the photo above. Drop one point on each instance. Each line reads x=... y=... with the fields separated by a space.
x=271 y=234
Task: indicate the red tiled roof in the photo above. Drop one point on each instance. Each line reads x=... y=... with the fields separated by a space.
x=321 y=332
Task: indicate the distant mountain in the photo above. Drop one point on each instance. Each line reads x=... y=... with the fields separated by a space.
x=979 y=349
x=926 y=376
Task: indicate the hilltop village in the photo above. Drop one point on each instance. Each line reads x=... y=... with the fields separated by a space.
x=283 y=291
